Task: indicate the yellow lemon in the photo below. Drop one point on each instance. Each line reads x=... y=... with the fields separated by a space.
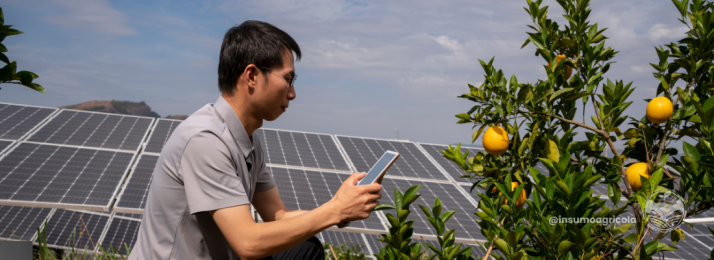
x=521 y=198
x=495 y=140
x=659 y=110
x=568 y=70
x=634 y=172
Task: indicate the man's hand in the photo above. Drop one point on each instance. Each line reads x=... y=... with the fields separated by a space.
x=353 y=202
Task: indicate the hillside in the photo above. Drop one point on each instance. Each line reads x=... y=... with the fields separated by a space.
x=120 y=107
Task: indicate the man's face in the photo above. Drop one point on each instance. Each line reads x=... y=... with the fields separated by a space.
x=275 y=94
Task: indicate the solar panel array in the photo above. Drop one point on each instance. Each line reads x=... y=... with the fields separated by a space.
x=364 y=153
x=18 y=120
x=301 y=149
x=100 y=130
x=160 y=134
x=61 y=163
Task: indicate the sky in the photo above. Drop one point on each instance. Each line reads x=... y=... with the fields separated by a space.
x=368 y=67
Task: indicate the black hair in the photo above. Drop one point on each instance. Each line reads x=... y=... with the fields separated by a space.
x=252 y=42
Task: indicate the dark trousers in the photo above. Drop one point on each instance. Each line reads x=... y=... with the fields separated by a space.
x=309 y=250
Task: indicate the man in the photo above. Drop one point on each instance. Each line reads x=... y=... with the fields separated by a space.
x=211 y=168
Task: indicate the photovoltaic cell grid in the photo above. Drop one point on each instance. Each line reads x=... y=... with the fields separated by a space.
x=120 y=234
x=160 y=134
x=301 y=149
x=307 y=190
x=374 y=243
x=69 y=228
x=364 y=153
x=41 y=175
x=338 y=238
x=688 y=248
x=451 y=199
x=94 y=130
x=16 y=120
x=451 y=167
x=136 y=188
x=4 y=144
x=21 y=223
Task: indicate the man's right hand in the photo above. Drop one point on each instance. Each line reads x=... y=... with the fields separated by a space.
x=352 y=202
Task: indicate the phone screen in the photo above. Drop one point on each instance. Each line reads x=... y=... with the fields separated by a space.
x=378 y=167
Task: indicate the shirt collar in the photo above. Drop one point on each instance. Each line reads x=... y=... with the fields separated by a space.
x=245 y=142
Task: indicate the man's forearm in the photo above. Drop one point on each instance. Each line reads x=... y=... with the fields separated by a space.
x=291 y=214
x=263 y=239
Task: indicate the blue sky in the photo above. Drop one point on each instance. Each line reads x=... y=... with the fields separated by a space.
x=367 y=67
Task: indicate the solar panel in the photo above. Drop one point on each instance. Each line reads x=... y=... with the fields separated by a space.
x=4 y=145
x=451 y=199
x=57 y=176
x=160 y=134
x=307 y=190
x=336 y=239
x=18 y=120
x=364 y=153
x=120 y=234
x=21 y=223
x=75 y=229
x=454 y=170
x=133 y=196
x=301 y=149
x=91 y=129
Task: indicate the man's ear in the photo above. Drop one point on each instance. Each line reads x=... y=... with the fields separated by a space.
x=250 y=75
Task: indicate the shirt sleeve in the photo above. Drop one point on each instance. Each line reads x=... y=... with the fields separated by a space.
x=265 y=179
x=209 y=174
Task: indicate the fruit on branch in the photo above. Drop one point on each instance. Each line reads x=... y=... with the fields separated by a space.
x=659 y=110
x=495 y=140
x=568 y=69
x=634 y=172
x=521 y=198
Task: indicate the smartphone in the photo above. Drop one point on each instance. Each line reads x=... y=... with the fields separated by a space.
x=379 y=168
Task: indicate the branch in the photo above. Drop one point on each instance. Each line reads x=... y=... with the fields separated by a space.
x=668 y=127
x=562 y=119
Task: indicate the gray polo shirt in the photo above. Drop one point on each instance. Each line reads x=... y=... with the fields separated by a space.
x=202 y=167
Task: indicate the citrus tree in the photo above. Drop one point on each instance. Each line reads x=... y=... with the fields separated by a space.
x=9 y=73
x=530 y=123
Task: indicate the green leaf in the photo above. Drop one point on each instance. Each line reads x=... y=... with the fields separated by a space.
x=631 y=238
x=677 y=235
x=559 y=92
x=383 y=207
x=690 y=151
x=563 y=186
x=502 y=246
x=656 y=177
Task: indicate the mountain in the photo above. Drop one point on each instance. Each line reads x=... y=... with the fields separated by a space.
x=120 y=107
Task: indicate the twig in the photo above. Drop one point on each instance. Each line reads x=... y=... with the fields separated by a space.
x=490 y=248
x=333 y=252
x=563 y=119
x=85 y=229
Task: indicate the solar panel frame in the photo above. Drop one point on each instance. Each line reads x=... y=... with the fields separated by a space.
x=148 y=146
x=19 y=216
x=37 y=125
x=47 y=140
x=282 y=159
x=65 y=205
x=122 y=199
x=405 y=161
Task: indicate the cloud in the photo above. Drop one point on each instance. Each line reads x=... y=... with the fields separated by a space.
x=449 y=44
x=661 y=31
x=96 y=16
